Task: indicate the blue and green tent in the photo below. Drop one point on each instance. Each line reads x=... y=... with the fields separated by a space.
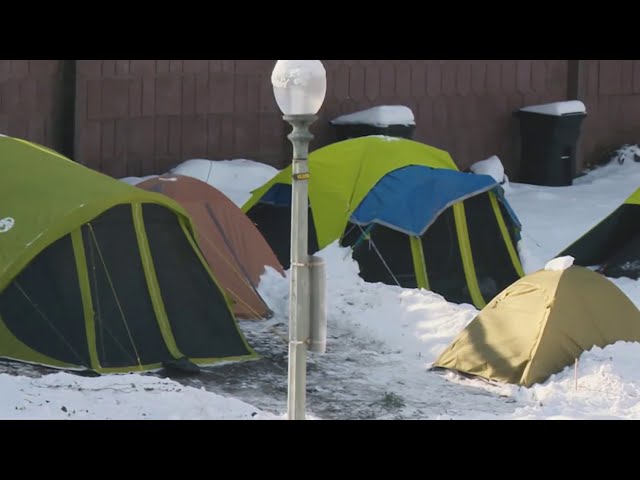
x=410 y=216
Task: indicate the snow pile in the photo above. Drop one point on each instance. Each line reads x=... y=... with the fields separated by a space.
x=627 y=153
x=235 y=178
x=605 y=384
x=380 y=116
x=491 y=166
x=559 y=264
x=420 y=323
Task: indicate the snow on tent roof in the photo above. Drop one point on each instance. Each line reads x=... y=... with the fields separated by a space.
x=380 y=116
x=557 y=108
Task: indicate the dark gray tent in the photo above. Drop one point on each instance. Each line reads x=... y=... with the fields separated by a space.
x=614 y=243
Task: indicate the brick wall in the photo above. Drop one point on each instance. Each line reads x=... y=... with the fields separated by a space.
x=31 y=100
x=138 y=117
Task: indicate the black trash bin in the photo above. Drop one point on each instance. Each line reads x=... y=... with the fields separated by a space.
x=355 y=125
x=548 y=138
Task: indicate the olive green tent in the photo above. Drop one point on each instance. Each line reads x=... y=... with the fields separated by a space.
x=96 y=274
x=411 y=218
x=540 y=325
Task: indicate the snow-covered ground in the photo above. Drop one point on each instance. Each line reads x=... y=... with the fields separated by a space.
x=553 y=217
x=117 y=397
x=381 y=340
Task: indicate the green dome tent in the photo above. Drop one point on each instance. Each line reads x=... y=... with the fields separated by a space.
x=614 y=243
x=96 y=274
x=410 y=216
x=542 y=324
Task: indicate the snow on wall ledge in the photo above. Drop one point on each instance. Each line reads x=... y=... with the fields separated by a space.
x=557 y=108
x=380 y=116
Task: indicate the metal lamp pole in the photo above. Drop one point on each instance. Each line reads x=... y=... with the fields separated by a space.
x=299 y=306
x=299 y=87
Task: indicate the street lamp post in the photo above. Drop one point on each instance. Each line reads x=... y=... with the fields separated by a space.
x=299 y=87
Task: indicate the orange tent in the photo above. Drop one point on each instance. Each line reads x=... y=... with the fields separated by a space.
x=234 y=248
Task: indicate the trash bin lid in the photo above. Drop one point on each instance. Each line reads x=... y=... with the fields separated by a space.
x=380 y=116
x=558 y=109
